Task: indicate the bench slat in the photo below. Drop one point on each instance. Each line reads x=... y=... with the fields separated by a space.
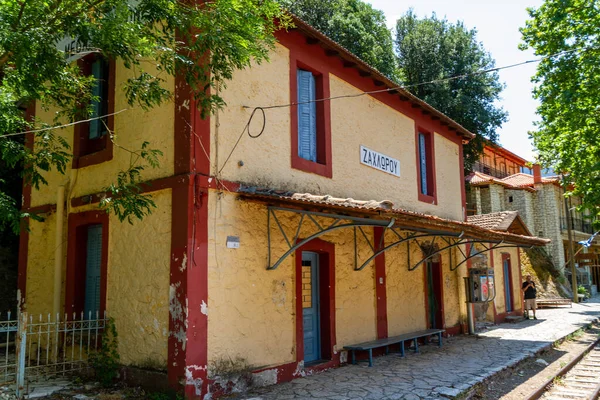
x=394 y=339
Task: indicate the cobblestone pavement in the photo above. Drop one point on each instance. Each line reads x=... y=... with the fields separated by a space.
x=444 y=372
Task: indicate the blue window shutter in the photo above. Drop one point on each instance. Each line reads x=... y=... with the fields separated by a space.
x=307 y=116
x=93 y=266
x=99 y=105
x=423 y=163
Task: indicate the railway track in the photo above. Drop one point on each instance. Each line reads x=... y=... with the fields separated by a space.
x=581 y=382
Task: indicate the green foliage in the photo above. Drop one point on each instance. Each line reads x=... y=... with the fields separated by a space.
x=567 y=136
x=105 y=361
x=430 y=49
x=355 y=25
x=582 y=290
x=125 y=198
x=203 y=42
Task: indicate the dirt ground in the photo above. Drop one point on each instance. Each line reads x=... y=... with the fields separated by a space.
x=520 y=381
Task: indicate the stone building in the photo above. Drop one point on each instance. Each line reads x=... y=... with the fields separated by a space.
x=540 y=203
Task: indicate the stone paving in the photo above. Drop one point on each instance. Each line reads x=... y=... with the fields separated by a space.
x=435 y=372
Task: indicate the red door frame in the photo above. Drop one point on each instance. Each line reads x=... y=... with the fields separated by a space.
x=75 y=277
x=506 y=257
x=440 y=279
x=326 y=252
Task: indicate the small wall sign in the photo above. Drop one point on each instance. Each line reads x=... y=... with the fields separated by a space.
x=233 y=242
x=379 y=161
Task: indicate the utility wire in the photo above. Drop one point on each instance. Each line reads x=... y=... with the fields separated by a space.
x=65 y=125
x=403 y=87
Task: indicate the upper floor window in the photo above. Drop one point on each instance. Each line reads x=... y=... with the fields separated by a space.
x=426 y=167
x=310 y=119
x=92 y=143
x=307 y=116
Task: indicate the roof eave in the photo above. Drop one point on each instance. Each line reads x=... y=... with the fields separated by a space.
x=360 y=64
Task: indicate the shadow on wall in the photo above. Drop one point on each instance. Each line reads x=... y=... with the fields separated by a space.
x=8 y=278
x=549 y=279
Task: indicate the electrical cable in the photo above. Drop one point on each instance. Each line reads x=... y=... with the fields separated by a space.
x=396 y=88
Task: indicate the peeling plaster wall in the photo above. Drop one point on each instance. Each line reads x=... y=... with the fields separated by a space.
x=354 y=122
x=405 y=290
x=138 y=279
x=40 y=266
x=252 y=311
x=138 y=284
x=452 y=281
x=131 y=127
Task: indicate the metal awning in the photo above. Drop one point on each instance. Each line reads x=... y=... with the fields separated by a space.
x=429 y=232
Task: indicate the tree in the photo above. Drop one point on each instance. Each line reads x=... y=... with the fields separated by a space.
x=431 y=49
x=566 y=33
x=202 y=41
x=355 y=25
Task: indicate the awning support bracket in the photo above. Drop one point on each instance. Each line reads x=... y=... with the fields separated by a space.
x=339 y=222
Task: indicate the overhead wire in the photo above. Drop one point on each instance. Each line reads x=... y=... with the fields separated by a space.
x=391 y=89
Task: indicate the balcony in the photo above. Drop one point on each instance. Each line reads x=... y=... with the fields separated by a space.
x=478 y=166
x=577 y=224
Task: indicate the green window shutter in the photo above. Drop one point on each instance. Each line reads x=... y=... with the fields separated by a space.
x=423 y=163
x=93 y=268
x=307 y=116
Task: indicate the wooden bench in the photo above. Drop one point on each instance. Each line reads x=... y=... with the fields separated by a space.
x=387 y=342
x=558 y=301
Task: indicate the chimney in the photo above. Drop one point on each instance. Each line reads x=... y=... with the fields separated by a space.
x=537 y=173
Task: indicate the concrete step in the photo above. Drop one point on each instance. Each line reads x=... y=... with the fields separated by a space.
x=514 y=319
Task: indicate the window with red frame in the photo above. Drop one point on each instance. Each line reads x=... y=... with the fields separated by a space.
x=93 y=136
x=311 y=130
x=426 y=184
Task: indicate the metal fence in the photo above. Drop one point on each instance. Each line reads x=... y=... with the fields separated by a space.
x=44 y=346
x=577 y=224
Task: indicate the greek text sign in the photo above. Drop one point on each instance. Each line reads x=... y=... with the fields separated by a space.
x=379 y=161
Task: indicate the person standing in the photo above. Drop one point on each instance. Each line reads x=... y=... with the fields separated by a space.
x=529 y=292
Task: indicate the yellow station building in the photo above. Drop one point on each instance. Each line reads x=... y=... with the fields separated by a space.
x=330 y=223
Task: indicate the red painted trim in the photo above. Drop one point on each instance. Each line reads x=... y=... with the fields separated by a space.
x=426 y=292
x=146 y=187
x=188 y=333
x=106 y=153
x=496 y=286
x=296 y=41
x=301 y=57
x=461 y=168
x=380 y=287
x=453 y=330
x=75 y=276
x=521 y=294
x=24 y=235
x=326 y=253
x=430 y=154
x=506 y=257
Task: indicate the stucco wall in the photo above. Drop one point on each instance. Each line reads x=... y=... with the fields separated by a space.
x=354 y=122
x=500 y=300
x=138 y=279
x=131 y=128
x=252 y=311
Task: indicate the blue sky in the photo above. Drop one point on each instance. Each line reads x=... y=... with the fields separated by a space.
x=497 y=24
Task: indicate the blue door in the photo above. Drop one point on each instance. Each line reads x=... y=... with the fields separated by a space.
x=507 y=285
x=310 y=306
x=93 y=266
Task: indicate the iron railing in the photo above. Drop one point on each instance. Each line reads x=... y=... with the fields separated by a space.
x=577 y=224
x=46 y=345
x=487 y=169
